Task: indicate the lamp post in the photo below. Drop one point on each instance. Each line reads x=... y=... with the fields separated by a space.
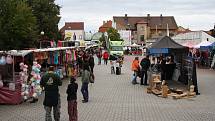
x=42 y=34
x=130 y=36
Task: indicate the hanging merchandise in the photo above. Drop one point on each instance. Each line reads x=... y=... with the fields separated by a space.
x=52 y=43
x=61 y=57
x=12 y=86
x=35 y=80
x=24 y=77
x=64 y=56
x=2 y=60
x=73 y=55
x=68 y=56
x=71 y=71
x=9 y=59
x=1 y=84
x=56 y=58
x=60 y=44
x=46 y=55
x=24 y=72
x=50 y=58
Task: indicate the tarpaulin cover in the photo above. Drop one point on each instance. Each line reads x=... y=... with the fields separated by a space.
x=165 y=45
x=166 y=42
x=203 y=43
x=10 y=97
x=204 y=48
x=158 y=50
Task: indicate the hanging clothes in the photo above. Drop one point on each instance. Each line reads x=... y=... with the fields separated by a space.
x=60 y=44
x=56 y=57
x=68 y=56
x=64 y=56
x=50 y=59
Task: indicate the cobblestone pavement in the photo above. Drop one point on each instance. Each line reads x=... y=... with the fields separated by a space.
x=114 y=98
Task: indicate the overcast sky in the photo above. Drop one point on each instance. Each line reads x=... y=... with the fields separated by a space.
x=193 y=14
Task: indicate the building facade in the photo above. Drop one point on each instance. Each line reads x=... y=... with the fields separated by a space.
x=193 y=38
x=147 y=27
x=105 y=26
x=73 y=31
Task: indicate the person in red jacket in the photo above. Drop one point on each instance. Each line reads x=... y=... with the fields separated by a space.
x=105 y=57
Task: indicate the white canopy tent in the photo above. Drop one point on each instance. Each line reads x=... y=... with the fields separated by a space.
x=135 y=45
x=203 y=43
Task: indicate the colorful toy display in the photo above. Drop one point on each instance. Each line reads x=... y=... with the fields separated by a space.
x=35 y=80
x=24 y=78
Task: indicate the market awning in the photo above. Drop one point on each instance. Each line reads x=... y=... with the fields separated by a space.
x=165 y=45
x=135 y=45
x=203 y=43
x=17 y=52
x=158 y=50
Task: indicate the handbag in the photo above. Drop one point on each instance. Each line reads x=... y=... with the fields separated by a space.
x=92 y=78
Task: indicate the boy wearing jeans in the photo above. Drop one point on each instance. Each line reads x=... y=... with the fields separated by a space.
x=112 y=62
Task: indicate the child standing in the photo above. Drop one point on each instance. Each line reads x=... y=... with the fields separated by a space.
x=71 y=98
x=112 y=63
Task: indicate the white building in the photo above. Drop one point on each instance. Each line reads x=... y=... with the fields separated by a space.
x=194 y=37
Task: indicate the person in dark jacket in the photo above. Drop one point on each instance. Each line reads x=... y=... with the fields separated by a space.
x=72 y=100
x=162 y=68
x=50 y=82
x=85 y=81
x=80 y=64
x=91 y=62
x=145 y=64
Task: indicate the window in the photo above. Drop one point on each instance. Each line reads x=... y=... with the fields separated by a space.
x=116 y=48
x=142 y=28
x=142 y=38
x=80 y=37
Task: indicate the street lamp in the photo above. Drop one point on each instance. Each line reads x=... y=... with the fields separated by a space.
x=42 y=34
x=130 y=36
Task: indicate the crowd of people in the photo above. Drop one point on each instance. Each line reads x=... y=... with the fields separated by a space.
x=204 y=58
x=51 y=81
x=141 y=68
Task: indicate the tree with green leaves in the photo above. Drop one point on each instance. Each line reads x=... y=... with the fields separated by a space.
x=113 y=35
x=102 y=40
x=47 y=15
x=18 y=29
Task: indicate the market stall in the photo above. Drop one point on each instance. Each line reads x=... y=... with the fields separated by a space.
x=134 y=49
x=11 y=81
x=62 y=58
x=207 y=47
x=182 y=71
x=20 y=71
x=203 y=43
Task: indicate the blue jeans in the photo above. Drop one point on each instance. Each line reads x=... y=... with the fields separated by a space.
x=134 y=78
x=84 y=90
x=144 y=75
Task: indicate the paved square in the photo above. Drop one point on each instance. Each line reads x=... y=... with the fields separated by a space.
x=114 y=98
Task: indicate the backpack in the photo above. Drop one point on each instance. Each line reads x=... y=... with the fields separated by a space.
x=145 y=63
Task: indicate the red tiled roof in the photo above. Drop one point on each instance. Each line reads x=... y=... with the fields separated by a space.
x=142 y=22
x=72 y=26
x=105 y=26
x=153 y=21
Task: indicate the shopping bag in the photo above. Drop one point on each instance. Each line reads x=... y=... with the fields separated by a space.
x=92 y=78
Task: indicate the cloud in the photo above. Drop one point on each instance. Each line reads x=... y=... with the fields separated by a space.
x=195 y=14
